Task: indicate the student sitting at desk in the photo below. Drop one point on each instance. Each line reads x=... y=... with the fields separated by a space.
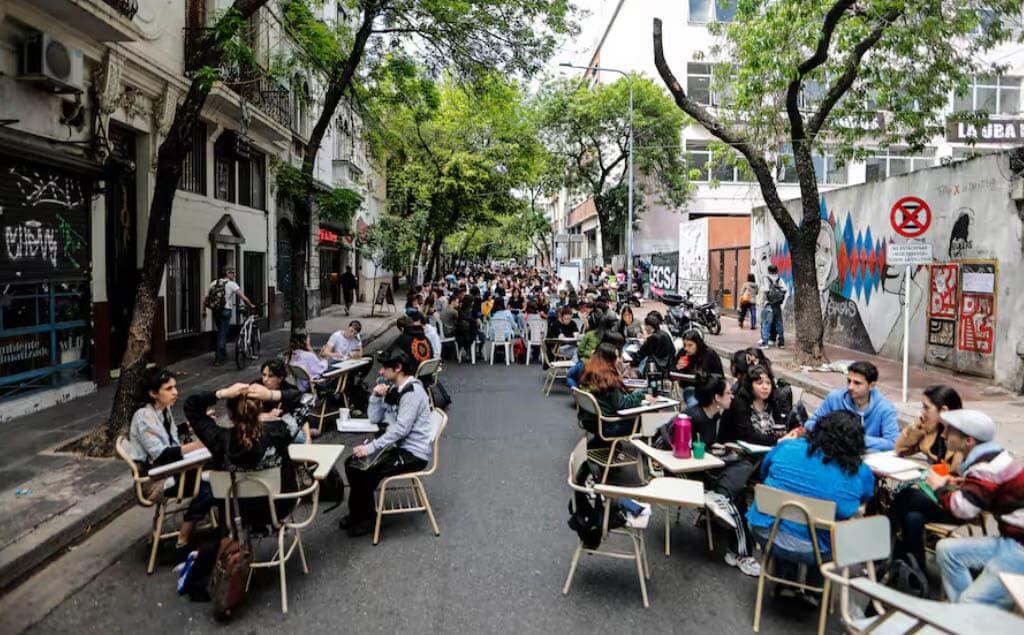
x=153 y=441
x=601 y=378
x=753 y=416
x=862 y=399
x=345 y=343
x=300 y=353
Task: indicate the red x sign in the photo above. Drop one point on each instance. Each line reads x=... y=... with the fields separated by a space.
x=910 y=216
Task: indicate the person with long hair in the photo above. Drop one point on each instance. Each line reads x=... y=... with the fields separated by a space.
x=300 y=353
x=255 y=440
x=628 y=325
x=826 y=463
x=697 y=360
x=274 y=375
x=911 y=509
x=753 y=416
x=602 y=379
x=153 y=441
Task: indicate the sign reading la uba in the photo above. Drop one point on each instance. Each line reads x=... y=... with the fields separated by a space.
x=993 y=131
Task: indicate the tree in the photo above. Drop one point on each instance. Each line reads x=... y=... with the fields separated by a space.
x=587 y=128
x=841 y=74
x=468 y=38
x=214 y=47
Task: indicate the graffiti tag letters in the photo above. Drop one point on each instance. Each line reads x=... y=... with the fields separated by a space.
x=976 y=324
x=943 y=292
x=31 y=240
x=941 y=332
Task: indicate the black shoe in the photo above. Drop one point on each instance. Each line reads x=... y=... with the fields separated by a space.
x=359 y=528
x=344 y=523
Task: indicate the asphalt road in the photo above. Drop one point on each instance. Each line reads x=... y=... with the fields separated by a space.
x=498 y=567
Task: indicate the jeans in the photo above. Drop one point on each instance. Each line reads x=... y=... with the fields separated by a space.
x=362 y=483
x=993 y=555
x=223 y=324
x=572 y=378
x=752 y=308
x=771 y=320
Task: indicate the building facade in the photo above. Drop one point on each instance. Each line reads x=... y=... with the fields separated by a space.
x=88 y=89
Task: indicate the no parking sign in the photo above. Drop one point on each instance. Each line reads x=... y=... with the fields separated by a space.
x=910 y=217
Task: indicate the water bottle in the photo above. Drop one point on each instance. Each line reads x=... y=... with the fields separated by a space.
x=681 y=431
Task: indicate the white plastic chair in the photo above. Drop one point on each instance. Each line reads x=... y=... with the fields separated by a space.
x=636 y=536
x=536 y=331
x=267 y=484
x=446 y=338
x=500 y=332
x=413 y=496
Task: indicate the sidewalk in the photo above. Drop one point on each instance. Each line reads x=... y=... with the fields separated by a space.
x=49 y=500
x=1006 y=408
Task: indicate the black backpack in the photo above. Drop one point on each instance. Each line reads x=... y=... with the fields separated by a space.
x=776 y=293
x=586 y=520
x=216 y=299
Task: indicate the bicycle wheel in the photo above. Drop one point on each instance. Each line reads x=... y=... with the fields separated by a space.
x=254 y=342
x=242 y=349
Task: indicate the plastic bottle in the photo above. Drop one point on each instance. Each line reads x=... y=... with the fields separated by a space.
x=681 y=432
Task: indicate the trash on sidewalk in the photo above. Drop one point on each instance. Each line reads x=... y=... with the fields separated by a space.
x=21 y=491
x=839 y=366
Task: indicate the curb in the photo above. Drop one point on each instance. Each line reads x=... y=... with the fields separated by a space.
x=47 y=541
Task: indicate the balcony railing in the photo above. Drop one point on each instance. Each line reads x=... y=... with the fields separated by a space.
x=253 y=84
x=127 y=8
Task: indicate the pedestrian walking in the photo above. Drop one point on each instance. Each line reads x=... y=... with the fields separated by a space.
x=748 y=301
x=348 y=288
x=220 y=299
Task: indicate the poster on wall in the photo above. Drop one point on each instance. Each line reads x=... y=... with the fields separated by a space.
x=976 y=322
x=943 y=299
x=693 y=259
x=664 y=273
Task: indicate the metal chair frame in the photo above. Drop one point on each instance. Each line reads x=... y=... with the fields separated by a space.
x=605 y=457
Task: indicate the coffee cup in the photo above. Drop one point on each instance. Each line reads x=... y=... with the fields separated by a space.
x=343 y=414
x=941 y=469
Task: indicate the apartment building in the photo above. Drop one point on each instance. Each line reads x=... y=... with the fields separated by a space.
x=88 y=88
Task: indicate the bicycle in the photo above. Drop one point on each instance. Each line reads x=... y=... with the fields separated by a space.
x=247 y=345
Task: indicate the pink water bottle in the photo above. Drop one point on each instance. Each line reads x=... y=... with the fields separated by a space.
x=681 y=430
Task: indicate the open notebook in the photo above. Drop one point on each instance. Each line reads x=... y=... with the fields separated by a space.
x=357 y=425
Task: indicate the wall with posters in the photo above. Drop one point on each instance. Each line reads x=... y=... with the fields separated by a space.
x=693 y=259
x=664 y=273
x=965 y=311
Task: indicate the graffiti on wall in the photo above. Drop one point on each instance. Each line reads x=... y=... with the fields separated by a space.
x=943 y=291
x=693 y=259
x=976 y=323
x=941 y=332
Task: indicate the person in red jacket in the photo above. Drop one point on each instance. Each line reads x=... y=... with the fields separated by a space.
x=992 y=481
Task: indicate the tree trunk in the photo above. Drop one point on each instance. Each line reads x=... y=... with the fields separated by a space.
x=435 y=257
x=298 y=240
x=170 y=157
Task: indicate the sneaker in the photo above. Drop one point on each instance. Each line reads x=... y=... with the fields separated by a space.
x=186 y=572
x=718 y=505
x=761 y=343
x=749 y=565
x=731 y=558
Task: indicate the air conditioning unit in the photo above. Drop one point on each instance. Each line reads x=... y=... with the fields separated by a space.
x=52 y=64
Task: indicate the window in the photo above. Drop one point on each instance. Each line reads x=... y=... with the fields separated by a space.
x=698 y=157
x=224 y=167
x=193 y=169
x=999 y=95
x=252 y=180
x=183 y=290
x=698 y=82
x=827 y=168
x=704 y=11
x=255 y=284
x=897 y=161
x=964 y=153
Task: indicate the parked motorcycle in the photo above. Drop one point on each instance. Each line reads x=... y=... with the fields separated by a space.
x=680 y=315
x=626 y=299
x=708 y=315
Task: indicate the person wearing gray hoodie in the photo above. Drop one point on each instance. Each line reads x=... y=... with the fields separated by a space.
x=862 y=398
x=405 y=446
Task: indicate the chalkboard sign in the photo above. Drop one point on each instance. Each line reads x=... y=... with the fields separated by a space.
x=44 y=220
x=384 y=295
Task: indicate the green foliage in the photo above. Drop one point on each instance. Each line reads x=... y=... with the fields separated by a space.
x=392 y=240
x=290 y=179
x=587 y=128
x=927 y=50
x=338 y=205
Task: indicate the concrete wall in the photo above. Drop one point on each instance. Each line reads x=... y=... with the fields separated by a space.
x=975 y=227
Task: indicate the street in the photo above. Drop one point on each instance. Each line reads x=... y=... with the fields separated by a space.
x=500 y=496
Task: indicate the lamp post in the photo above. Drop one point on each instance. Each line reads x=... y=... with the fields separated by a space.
x=629 y=160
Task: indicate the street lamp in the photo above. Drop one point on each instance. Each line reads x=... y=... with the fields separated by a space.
x=629 y=218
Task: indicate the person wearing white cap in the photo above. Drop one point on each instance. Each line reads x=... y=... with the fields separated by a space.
x=993 y=481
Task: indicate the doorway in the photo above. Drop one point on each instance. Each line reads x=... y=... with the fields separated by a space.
x=121 y=240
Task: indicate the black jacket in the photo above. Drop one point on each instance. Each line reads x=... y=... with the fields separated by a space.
x=659 y=347
x=738 y=426
x=414 y=343
x=710 y=429
x=709 y=363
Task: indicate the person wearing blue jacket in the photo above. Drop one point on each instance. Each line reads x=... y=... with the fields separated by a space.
x=862 y=398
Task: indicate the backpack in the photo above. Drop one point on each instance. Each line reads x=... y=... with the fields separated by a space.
x=588 y=517
x=519 y=350
x=776 y=293
x=216 y=298
x=783 y=396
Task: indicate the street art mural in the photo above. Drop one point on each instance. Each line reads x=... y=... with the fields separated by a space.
x=693 y=259
x=961 y=307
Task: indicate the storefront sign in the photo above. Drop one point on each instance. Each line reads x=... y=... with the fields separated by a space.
x=993 y=131
x=327 y=236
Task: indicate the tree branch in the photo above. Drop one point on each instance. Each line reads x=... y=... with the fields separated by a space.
x=756 y=159
x=851 y=68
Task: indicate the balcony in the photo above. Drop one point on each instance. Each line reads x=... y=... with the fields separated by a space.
x=101 y=20
x=252 y=84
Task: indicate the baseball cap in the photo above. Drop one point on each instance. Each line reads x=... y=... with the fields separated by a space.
x=973 y=423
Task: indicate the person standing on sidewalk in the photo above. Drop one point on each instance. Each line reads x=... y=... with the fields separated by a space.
x=775 y=295
x=348 y=288
x=993 y=481
x=220 y=299
x=748 y=301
